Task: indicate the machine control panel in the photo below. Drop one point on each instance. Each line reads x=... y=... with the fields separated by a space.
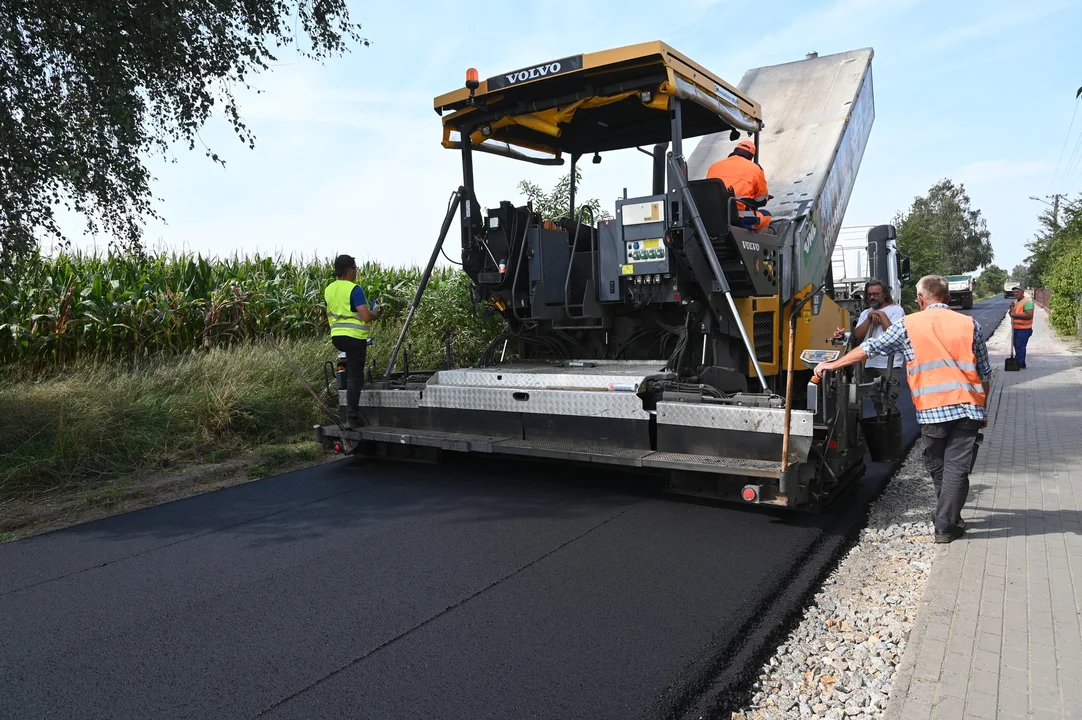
x=634 y=263
x=812 y=357
x=645 y=251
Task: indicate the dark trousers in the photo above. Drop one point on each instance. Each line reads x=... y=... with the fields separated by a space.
x=356 y=350
x=1021 y=338
x=949 y=452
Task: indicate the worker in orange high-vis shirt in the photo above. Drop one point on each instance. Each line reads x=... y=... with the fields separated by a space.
x=1021 y=324
x=747 y=181
x=948 y=372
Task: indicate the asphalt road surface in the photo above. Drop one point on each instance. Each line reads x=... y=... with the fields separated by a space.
x=394 y=591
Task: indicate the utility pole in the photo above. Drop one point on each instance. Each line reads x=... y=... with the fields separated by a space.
x=1055 y=208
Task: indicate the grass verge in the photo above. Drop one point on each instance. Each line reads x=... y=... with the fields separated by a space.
x=99 y=438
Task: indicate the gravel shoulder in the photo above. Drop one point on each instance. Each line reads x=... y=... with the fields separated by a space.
x=840 y=661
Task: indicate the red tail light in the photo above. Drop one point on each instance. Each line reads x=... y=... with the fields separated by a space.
x=338 y=447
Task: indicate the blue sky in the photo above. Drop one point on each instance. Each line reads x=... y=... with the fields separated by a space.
x=347 y=155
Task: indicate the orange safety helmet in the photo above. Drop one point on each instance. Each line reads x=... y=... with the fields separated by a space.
x=746 y=145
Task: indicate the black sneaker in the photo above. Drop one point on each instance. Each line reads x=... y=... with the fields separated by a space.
x=949 y=536
x=353 y=423
x=960 y=524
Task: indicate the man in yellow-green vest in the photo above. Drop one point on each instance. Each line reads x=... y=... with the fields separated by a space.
x=349 y=315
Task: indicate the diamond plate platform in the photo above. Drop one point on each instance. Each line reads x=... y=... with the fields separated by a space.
x=587 y=375
x=577 y=403
x=734 y=417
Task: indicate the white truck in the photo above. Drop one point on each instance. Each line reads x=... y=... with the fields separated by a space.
x=961 y=290
x=863 y=253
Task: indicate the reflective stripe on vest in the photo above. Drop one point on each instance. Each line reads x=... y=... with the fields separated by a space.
x=343 y=321
x=944 y=369
x=1018 y=323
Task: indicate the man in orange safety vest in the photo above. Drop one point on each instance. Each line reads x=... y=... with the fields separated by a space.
x=746 y=179
x=1021 y=324
x=948 y=371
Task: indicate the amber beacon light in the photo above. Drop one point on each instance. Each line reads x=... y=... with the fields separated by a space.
x=471 y=79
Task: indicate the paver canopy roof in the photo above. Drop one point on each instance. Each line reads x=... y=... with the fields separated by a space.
x=596 y=102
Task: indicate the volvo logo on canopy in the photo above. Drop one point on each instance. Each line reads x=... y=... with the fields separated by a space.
x=517 y=77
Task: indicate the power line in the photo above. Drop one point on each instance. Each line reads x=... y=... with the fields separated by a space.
x=1073 y=164
x=1071 y=179
x=1065 y=140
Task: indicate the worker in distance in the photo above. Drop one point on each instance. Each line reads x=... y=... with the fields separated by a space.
x=1021 y=324
x=947 y=364
x=747 y=181
x=349 y=315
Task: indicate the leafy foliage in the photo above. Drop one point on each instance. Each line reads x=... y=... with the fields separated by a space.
x=1056 y=263
x=1054 y=240
x=943 y=235
x=556 y=204
x=1022 y=275
x=56 y=311
x=90 y=87
x=990 y=282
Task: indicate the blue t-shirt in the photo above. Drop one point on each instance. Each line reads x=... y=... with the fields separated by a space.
x=356 y=298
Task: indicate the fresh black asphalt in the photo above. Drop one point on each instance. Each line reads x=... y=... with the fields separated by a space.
x=392 y=591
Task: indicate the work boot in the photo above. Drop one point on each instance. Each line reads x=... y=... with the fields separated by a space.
x=949 y=536
x=352 y=423
x=960 y=524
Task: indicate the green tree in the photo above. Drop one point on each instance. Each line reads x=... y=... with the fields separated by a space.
x=1055 y=239
x=1056 y=264
x=90 y=88
x=943 y=235
x=1022 y=275
x=556 y=204
x=991 y=281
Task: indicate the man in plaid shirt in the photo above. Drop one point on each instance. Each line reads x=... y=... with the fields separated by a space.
x=948 y=370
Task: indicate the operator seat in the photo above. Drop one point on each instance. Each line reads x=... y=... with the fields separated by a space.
x=715 y=201
x=716 y=204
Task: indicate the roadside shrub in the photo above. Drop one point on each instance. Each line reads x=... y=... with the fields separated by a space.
x=1065 y=282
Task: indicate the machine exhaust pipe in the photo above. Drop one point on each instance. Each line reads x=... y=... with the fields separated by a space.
x=659 y=168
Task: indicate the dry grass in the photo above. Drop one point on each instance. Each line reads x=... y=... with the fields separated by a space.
x=98 y=422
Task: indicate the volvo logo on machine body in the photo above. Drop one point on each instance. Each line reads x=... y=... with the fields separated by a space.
x=754 y=247
x=518 y=77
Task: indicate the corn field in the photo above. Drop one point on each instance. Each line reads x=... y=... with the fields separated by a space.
x=58 y=310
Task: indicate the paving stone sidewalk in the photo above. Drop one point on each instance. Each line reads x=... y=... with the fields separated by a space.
x=997 y=632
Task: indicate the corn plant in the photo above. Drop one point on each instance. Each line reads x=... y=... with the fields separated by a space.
x=58 y=310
